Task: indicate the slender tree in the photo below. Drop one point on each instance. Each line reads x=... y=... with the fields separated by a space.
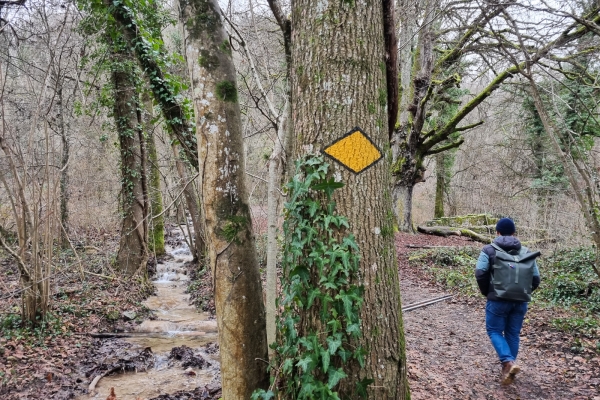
x=156 y=225
x=232 y=252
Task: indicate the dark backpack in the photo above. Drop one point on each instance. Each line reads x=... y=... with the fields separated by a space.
x=512 y=274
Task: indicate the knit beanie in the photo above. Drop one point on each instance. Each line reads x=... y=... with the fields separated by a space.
x=506 y=227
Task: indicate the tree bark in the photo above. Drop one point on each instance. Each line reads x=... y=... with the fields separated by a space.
x=64 y=170
x=335 y=88
x=232 y=251
x=198 y=241
x=156 y=226
x=402 y=201
x=276 y=174
x=440 y=184
x=133 y=246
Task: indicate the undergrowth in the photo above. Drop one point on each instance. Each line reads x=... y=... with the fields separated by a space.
x=450 y=267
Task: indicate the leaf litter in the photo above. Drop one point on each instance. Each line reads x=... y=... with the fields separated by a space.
x=450 y=356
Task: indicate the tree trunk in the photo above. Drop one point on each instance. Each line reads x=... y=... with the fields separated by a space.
x=402 y=200
x=133 y=246
x=335 y=88
x=156 y=226
x=198 y=241
x=238 y=293
x=64 y=169
x=440 y=184
x=273 y=211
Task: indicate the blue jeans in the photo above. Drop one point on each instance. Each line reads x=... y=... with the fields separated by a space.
x=503 y=322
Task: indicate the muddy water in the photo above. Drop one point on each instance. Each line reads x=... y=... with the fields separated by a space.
x=176 y=323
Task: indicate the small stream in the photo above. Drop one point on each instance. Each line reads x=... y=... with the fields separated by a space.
x=176 y=323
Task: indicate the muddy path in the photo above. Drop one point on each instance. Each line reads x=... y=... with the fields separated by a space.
x=450 y=356
x=174 y=323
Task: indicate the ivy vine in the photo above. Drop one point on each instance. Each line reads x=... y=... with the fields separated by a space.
x=322 y=295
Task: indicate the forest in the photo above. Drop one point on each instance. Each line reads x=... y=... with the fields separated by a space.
x=248 y=199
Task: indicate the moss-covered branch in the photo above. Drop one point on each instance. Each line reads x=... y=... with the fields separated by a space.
x=448 y=146
x=572 y=33
x=453 y=55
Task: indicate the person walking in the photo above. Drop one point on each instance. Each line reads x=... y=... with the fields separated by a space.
x=506 y=274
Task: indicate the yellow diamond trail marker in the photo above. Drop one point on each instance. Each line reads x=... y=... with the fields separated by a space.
x=354 y=150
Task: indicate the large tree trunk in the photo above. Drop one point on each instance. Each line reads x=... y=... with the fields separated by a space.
x=335 y=88
x=233 y=259
x=133 y=247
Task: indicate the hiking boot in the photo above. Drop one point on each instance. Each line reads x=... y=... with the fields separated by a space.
x=509 y=370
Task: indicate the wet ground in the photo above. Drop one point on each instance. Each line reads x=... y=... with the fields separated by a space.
x=174 y=323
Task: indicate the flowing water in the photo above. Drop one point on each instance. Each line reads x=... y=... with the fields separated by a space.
x=176 y=323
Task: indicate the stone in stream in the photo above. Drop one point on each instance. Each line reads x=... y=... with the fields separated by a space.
x=130 y=315
x=187 y=357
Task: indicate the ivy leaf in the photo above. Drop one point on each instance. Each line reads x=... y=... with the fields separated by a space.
x=361 y=387
x=287 y=365
x=335 y=375
x=353 y=329
x=325 y=360
x=311 y=296
x=328 y=186
x=333 y=343
x=347 y=300
x=305 y=363
x=312 y=208
x=307 y=391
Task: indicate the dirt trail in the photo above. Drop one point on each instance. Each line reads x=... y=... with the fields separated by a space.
x=450 y=356
x=175 y=323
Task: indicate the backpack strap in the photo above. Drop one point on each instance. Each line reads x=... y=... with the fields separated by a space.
x=525 y=257
x=498 y=248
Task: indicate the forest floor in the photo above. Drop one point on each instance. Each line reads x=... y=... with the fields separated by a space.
x=448 y=352
x=450 y=356
x=60 y=359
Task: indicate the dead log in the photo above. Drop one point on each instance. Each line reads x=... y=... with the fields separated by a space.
x=446 y=231
x=476 y=236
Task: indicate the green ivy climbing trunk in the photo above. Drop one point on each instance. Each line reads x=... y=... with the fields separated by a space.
x=157 y=222
x=338 y=82
x=133 y=247
x=230 y=239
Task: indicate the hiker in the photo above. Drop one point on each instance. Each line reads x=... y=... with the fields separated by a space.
x=506 y=273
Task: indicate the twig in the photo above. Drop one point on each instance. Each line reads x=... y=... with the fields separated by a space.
x=424 y=303
x=100 y=276
x=95 y=381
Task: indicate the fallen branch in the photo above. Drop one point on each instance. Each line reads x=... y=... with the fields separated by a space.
x=95 y=381
x=424 y=303
x=475 y=236
x=100 y=276
x=416 y=246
